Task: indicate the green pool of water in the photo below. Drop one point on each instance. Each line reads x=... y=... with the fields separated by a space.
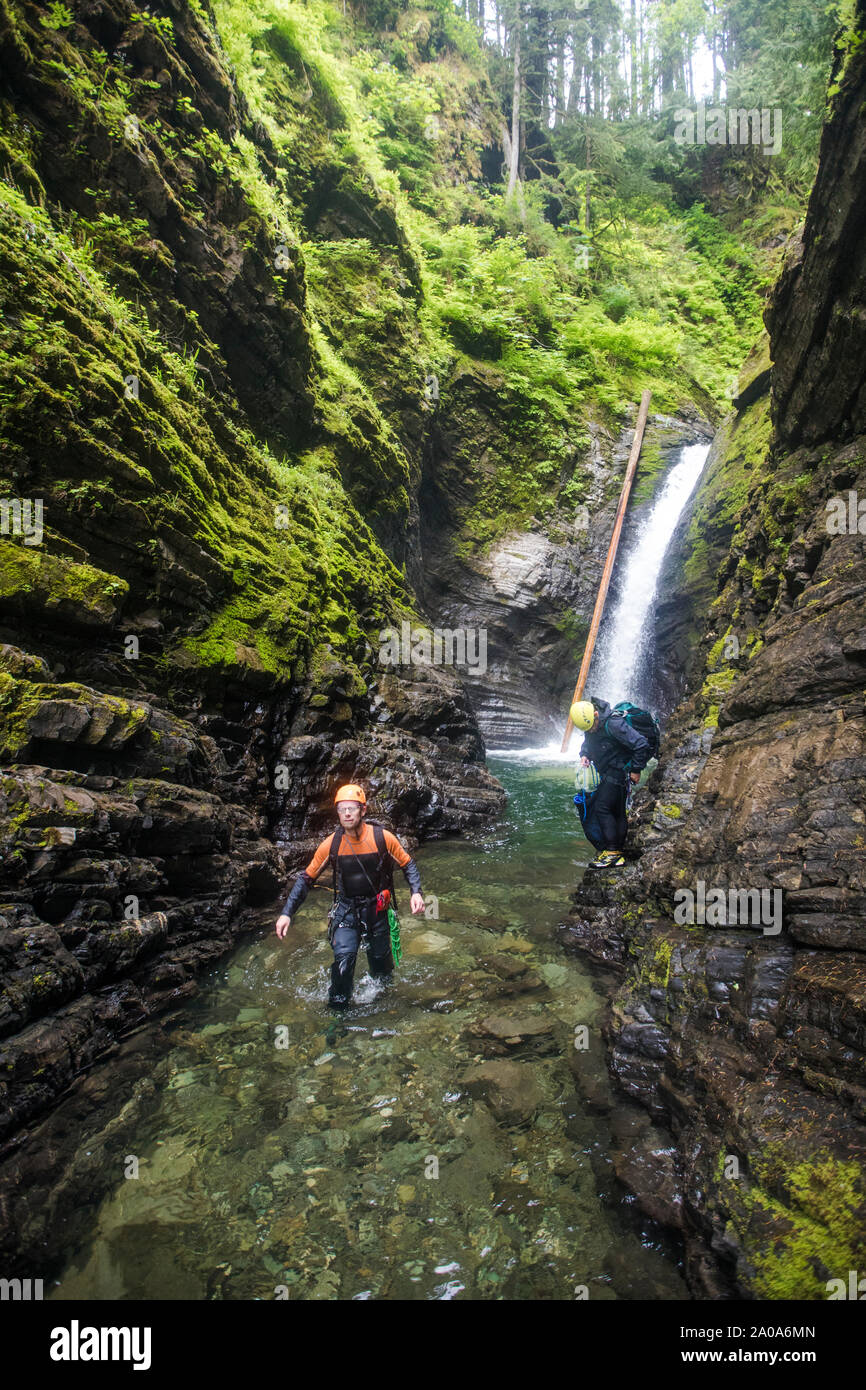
x=409 y=1150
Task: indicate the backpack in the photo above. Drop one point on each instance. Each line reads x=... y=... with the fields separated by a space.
x=381 y=847
x=641 y=720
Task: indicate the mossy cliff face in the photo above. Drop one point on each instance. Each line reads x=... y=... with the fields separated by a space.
x=202 y=497
x=747 y=1042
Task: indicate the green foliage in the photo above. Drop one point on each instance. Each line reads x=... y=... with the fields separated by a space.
x=616 y=302
x=733 y=271
x=59 y=16
x=401 y=116
x=815 y=1204
x=370 y=156
x=660 y=303
x=849 y=39
x=161 y=23
x=453 y=32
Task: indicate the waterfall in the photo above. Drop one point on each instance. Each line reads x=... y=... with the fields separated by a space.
x=622 y=650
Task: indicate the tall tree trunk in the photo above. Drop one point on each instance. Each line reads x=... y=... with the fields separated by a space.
x=535 y=64
x=633 y=50
x=560 y=81
x=596 y=75
x=515 y=118
x=644 y=68
x=587 y=215
x=573 y=101
x=506 y=145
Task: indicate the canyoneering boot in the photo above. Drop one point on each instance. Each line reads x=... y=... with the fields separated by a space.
x=340 y=992
x=608 y=859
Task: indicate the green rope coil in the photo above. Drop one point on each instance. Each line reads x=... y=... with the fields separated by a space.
x=394 y=925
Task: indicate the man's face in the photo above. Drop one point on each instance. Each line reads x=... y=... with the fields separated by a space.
x=594 y=723
x=350 y=813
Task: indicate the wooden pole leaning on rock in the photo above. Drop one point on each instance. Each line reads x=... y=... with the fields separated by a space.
x=608 y=564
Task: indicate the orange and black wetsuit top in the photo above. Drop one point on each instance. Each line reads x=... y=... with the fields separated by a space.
x=362 y=871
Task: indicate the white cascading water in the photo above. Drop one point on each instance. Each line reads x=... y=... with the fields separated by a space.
x=620 y=650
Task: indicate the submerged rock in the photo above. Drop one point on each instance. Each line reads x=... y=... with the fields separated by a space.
x=501 y=1034
x=512 y=1091
x=427 y=943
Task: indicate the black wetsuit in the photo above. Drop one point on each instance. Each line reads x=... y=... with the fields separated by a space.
x=362 y=872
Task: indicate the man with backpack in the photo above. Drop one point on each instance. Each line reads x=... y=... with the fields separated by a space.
x=362 y=856
x=619 y=743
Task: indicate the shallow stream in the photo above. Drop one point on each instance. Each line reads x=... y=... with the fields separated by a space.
x=429 y=1144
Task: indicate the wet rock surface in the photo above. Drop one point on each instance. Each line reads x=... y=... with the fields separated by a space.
x=748 y=1041
x=519 y=587
x=744 y=1035
x=814 y=316
x=118 y=893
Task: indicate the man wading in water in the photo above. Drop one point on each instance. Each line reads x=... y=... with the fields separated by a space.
x=362 y=857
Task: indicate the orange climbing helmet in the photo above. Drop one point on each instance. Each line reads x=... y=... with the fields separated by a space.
x=351 y=792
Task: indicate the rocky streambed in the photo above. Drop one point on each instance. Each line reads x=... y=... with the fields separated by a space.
x=453 y=1136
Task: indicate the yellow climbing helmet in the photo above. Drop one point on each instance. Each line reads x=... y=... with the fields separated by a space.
x=582 y=714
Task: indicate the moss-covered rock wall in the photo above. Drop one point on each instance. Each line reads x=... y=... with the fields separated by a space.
x=203 y=507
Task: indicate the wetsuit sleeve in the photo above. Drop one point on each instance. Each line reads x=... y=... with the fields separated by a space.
x=300 y=888
x=413 y=877
x=404 y=861
x=305 y=880
x=638 y=746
